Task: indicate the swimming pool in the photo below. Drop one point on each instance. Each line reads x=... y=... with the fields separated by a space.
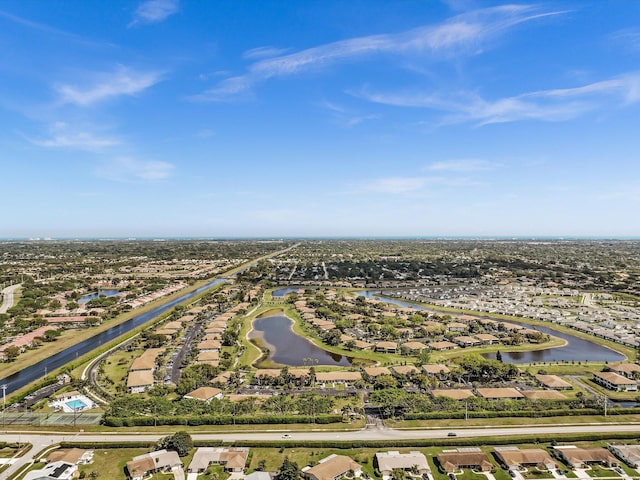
x=76 y=405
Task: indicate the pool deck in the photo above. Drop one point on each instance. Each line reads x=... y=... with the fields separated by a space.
x=64 y=404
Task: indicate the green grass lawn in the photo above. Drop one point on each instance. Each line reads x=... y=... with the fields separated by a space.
x=597 y=471
x=116 y=368
x=110 y=463
x=534 y=473
x=8 y=452
x=214 y=472
x=629 y=471
x=273 y=457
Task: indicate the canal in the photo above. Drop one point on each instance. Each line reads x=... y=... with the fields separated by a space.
x=38 y=370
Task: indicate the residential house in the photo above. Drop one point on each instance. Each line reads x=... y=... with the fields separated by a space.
x=140 y=381
x=53 y=471
x=466 y=341
x=157 y=461
x=414 y=347
x=454 y=393
x=629 y=454
x=205 y=394
x=405 y=370
x=629 y=370
x=615 y=382
x=374 y=372
x=515 y=459
x=499 y=393
x=210 y=346
x=470 y=458
x=578 y=457
x=436 y=370
x=332 y=467
x=233 y=459
x=487 y=338
x=444 y=345
x=386 y=347
x=554 y=382
x=409 y=462
x=332 y=378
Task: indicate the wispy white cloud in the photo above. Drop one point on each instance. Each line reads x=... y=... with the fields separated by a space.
x=545 y=105
x=461 y=165
x=345 y=117
x=154 y=11
x=41 y=27
x=205 y=133
x=129 y=169
x=396 y=185
x=62 y=135
x=463 y=33
x=123 y=81
x=263 y=52
x=628 y=38
x=622 y=193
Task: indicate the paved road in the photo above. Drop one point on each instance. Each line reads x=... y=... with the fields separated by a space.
x=7 y=297
x=41 y=440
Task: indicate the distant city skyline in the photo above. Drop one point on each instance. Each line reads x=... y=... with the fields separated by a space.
x=180 y=118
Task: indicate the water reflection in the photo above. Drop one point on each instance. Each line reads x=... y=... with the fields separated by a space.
x=281 y=292
x=288 y=348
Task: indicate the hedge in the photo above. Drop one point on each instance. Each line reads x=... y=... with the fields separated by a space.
x=219 y=420
x=354 y=444
x=438 y=442
x=107 y=445
x=519 y=413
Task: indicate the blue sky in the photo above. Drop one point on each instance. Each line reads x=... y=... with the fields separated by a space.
x=319 y=118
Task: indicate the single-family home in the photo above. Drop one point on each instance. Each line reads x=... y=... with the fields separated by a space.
x=332 y=467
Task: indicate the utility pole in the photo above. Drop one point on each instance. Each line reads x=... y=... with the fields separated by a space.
x=466 y=411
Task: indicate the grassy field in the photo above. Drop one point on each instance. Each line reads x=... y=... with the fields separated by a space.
x=596 y=471
x=116 y=368
x=8 y=452
x=111 y=463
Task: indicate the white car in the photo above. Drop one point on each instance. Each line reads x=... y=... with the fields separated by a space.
x=286 y=435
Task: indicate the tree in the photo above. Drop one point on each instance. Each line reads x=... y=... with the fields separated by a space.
x=332 y=337
x=288 y=471
x=499 y=356
x=51 y=335
x=181 y=442
x=11 y=353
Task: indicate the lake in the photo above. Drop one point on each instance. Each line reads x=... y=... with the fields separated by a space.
x=576 y=349
x=288 y=348
x=281 y=292
x=90 y=296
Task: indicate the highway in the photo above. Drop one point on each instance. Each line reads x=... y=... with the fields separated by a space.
x=41 y=440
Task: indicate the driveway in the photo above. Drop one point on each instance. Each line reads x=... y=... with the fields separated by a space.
x=581 y=473
x=178 y=472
